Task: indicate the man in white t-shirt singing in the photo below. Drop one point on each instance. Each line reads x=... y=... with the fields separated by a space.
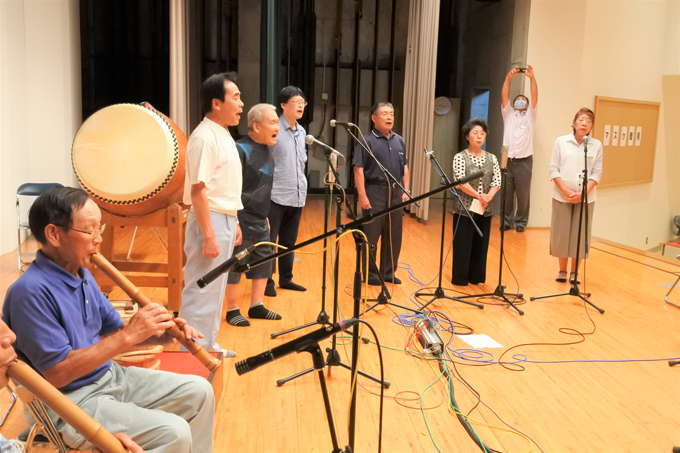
x=519 y=137
x=213 y=188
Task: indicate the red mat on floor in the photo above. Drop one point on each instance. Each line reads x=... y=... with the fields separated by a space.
x=183 y=363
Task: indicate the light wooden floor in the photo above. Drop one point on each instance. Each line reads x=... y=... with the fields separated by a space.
x=565 y=407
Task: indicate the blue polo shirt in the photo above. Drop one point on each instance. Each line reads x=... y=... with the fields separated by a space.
x=53 y=312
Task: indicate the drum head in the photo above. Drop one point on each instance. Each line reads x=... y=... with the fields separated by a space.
x=125 y=154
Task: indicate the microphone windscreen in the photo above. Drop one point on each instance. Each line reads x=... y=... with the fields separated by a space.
x=315 y=151
x=504 y=156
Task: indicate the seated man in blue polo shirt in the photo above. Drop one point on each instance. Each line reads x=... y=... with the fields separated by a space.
x=69 y=332
x=8 y=357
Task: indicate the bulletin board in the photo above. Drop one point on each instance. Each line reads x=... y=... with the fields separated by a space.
x=627 y=130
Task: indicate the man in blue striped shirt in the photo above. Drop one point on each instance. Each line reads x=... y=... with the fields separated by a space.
x=289 y=190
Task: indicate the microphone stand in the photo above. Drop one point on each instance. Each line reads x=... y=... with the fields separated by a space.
x=244 y=267
x=384 y=296
x=583 y=207
x=499 y=292
x=319 y=364
x=439 y=292
x=322 y=318
x=333 y=358
x=240 y=267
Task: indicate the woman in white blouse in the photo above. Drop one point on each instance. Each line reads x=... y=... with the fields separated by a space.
x=566 y=171
x=469 y=250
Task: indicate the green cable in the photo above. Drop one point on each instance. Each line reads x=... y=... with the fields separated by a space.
x=422 y=409
x=447 y=370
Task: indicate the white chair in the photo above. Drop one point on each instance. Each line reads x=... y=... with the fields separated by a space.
x=27 y=190
x=11 y=405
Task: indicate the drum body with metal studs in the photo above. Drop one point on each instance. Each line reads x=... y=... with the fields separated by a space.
x=130 y=159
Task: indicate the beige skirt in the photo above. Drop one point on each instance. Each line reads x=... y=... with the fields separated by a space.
x=564 y=229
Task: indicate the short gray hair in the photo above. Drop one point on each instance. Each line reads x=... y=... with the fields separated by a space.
x=256 y=114
x=378 y=105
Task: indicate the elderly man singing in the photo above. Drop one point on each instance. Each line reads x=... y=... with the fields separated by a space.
x=257 y=163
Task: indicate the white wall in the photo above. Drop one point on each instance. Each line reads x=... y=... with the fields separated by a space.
x=616 y=48
x=40 y=109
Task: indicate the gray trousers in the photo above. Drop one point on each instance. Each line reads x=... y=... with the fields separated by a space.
x=518 y=191
x=163 y=412
x=386 y=228
x=202 y=307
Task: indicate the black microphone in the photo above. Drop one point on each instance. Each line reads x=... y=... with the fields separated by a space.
x=296 y=345
x=222 y=268
x=310 y=140
x=341 y=123
x=467 y=179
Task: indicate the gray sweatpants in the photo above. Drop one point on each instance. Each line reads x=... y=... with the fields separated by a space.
x=202 y=307
x=163 y=412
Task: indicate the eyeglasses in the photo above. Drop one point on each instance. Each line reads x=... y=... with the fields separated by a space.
x=98 y=230
x=301 y=102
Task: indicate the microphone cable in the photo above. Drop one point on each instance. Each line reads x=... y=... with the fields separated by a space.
x=382 y=379
x=356 y=371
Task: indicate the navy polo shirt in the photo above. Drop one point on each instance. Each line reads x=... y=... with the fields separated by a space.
x=53 y=312
x=390 y=151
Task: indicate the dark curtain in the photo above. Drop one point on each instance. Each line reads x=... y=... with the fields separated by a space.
x=213 y=46
x=299 y=53
x=125 y=53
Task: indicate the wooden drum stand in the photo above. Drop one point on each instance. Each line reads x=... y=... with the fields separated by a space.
x=167 y=275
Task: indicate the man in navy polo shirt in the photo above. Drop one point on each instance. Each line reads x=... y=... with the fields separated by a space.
x=377 y=192
x=69 y=332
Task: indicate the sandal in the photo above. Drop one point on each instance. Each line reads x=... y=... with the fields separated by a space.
x=561 y=277
x=571 y=278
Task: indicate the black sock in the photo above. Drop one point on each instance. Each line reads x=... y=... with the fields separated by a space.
x=292 y=286
x=235 y=318
x=258 y=311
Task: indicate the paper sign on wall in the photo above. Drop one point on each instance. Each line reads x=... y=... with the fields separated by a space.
x=607 y=133
x=624 y=135
x=615 y=136
x=638 y=136
x=631 y=135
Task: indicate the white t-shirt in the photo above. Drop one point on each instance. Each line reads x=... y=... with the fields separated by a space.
x=567 y=163
x=518 y=133
x=212 y=158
